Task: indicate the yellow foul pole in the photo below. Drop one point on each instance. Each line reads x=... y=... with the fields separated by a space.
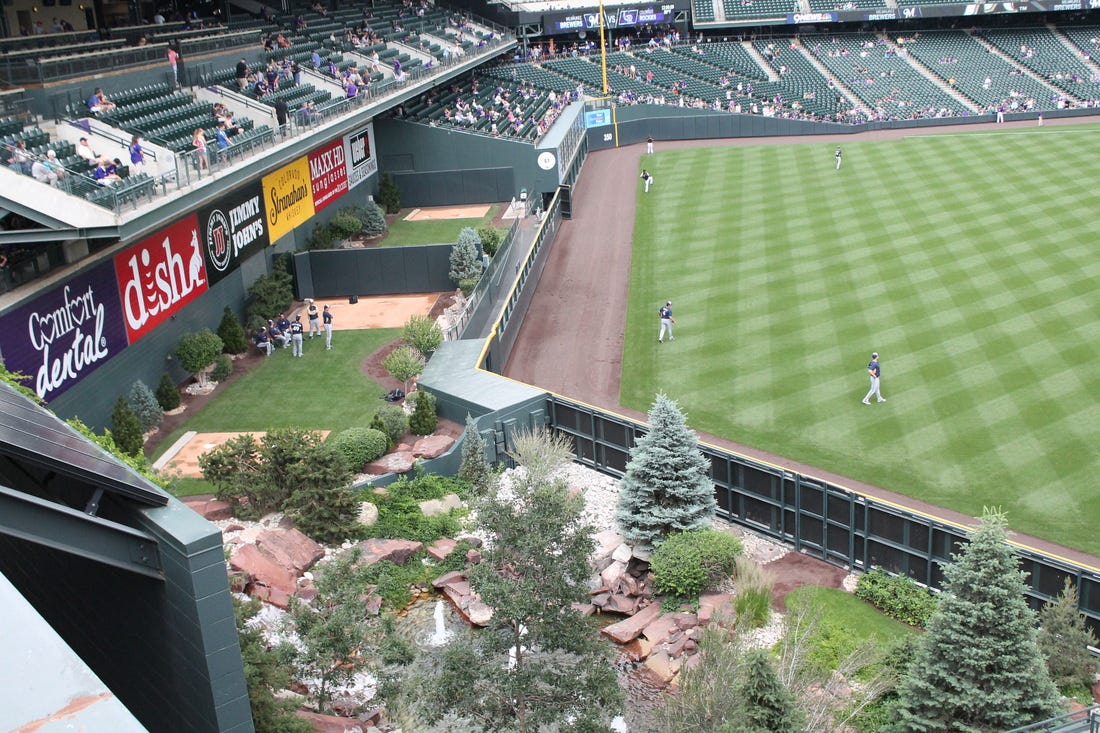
x=603 y=53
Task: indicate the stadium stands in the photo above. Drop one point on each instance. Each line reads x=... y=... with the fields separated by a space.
x=1048 y=57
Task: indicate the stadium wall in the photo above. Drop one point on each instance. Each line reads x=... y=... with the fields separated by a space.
x=168 y=648
x=376 y=271
x=439 y=166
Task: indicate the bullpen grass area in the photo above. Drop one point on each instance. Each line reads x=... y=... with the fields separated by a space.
x=324 y=390
x=969 y=261
x=438 y=231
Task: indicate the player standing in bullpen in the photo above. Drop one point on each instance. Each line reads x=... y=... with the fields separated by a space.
x=327 y=317
x=839 y=156
x=874 y=370
x=649 y=144
x=665 y=312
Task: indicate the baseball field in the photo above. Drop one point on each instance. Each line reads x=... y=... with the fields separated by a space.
x=969 y=261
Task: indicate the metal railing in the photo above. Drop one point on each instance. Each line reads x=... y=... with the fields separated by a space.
x=488 y=283
x=1081 y=721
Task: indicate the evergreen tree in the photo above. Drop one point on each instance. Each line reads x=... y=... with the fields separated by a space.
x=144 y=404
x=667 y=486
x=978 y=666
x=466 y=256
x=423 y=421
x=1065 y=639
x=271 y=294
x=474 y=468
x=168 y=397
x=322 y=505
x=265 y=675
x=232 y=333
x=125 y=428
x=389 y=195
x=538 y=664
x=374 y=219
x=768 y=706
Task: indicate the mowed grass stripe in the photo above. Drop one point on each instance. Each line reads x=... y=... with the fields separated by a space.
x=968 y=261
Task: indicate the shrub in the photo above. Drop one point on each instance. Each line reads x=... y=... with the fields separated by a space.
x=399 y=514
x=467 y=286
x=270 y=295
x=197 y=351
x=344 y=224
x=423 y=334
x=392 y=421
x=389 y=195
x=897 y=596
x=490 y=240
x=374 y=219
x=474 y=467
x=320 y=237
x=168 y=397
x=223 y=367
x=754 y=593
x=144 y=404
x=125 y=428
x=689 y=563
x=423 y=421
x=232 y=333
x=404 y=363
x=359 y=446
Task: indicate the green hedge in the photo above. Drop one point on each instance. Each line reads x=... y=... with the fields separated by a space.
x=897 y=596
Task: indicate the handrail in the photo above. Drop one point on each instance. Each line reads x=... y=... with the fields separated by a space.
x=1093 y=720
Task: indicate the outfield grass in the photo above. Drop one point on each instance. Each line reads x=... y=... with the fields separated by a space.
x=324 y=390
x=441 y=231
x=969 y=261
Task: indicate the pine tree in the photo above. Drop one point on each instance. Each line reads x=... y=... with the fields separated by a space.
x=423 y=421
x=1065 y=639
x=374 y=219
x=538 y=664
x=125 y=428
x=145 y=406
x=232 y=333
x=768 y=706
x=667 y=486
x=978 y=666
x=474 y=468
x=168 y=397
x=466 y=256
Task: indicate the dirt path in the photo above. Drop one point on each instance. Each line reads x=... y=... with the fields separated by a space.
x=571 y=341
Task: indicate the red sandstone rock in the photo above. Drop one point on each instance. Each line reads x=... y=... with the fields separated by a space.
x=685 y=620
x=618 y=603
x=446 y=579
x=211 y=509
x=661 y=665
x=290 y=548
x=396 y=551
x=473 y=557
x=432 y=446
x=660 y=629
x=262 y=569
x=331 y=723
x=442 y=547
x=584 y=609
x=397 y=462
x=630 y=628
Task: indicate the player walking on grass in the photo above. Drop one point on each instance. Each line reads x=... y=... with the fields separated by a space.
x=839 y=156
x=665 y=312
x=647 y=178
x=874 y=370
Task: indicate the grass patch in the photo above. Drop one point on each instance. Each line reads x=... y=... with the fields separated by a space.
x=324 y=390
x=966 y=260
x=441 y=231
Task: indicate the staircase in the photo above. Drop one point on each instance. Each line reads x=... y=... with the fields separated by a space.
x=719 y=10
x=765 y=67
x=933 y=77
x=838 y=85
x=1027 y=72
x=1075 y=49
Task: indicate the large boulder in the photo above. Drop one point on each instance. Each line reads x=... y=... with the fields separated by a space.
x=368 y=514
x=630 y=628
x=331 y=723
x=396 y=462
x=432 y=446
x=210 y=509
x=290 y=548
x=396 y=551
x=262 y=569
x=442 y=547
x=455 y=576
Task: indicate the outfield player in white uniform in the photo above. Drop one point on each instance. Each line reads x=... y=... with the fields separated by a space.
x=647 y=178
x=649 y=144
x=667 y=320
x=875 y=372
x=839 y=155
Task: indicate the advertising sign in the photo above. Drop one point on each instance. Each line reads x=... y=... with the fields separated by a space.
x=232 y=230
x=64 y=335
x=359 y=154
x=288 y=198
x=159 y=275
x=597 y=118
x=328 y=174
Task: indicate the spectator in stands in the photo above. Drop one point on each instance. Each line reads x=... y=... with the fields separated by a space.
x=66 y=26
x=331 y=68
x=308 y=114
x=271 y=76
x=351 y=90
x=242 y=74
x=296 y=72
x=21 y=158
x=300 y=23
x=201 y=154
x=281 y=112
x=54 y=165
x=318 y=8
x=98 y=102
x=315 y=59
x=173 y=61
x=375 y=62
x=104 y=174
x=260 y=88
x=222 y=139
x=137 y=154
x=158 y=19
x=41 y=172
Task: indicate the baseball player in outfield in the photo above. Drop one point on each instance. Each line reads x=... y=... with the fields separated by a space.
x=875 y=372
x=667 y=320
x=647 y=178
x=839 y=156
